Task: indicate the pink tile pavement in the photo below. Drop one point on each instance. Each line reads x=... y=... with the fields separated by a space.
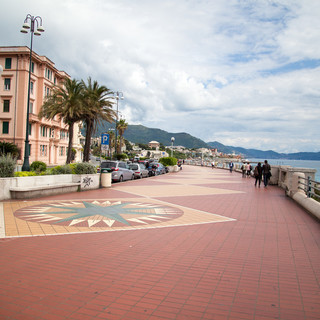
x=264 y=264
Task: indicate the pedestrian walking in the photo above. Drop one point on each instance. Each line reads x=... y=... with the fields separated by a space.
x=248 y=169
x=243 y=169
x=231 y=166
x=266 y=171
x=212 y=164
x=258 y=174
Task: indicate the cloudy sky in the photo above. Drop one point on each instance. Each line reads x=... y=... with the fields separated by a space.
x=242 y=72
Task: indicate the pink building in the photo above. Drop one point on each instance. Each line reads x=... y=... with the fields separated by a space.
x=48 y=139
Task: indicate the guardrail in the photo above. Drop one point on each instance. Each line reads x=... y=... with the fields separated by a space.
x=310 y=187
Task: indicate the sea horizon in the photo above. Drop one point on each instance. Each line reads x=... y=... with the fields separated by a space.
x=311 y=164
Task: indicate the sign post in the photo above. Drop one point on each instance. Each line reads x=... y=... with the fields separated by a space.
x=104 y=143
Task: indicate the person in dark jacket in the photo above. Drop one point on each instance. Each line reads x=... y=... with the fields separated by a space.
x=266 y=171
x=258 y=174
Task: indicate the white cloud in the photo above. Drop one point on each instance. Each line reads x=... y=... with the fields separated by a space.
x=215 y=69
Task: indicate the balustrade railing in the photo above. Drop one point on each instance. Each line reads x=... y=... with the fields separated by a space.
x=310 y=187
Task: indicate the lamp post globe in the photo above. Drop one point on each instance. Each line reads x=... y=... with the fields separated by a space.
x=29 y=26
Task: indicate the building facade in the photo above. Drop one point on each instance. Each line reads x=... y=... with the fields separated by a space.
x=48 y=139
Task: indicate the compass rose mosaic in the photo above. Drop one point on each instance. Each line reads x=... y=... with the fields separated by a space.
x=98 y=214
x=78 y=216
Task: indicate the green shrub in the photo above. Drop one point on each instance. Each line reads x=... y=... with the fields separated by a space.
x=66 y=169
x=84 y=168
x=9 y=148
x=25 y=174
x=38 y=166
x=121 y=156
x=168 y=161
x=7 y=166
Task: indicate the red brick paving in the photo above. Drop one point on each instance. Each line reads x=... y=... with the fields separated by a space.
x=264 y=265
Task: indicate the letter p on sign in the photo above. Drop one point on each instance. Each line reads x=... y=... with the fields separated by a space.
x=104 y=139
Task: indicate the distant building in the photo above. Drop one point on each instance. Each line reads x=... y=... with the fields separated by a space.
x=154 y=144
x=48 y=139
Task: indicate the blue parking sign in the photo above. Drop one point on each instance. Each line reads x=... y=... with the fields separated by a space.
x=104 y=139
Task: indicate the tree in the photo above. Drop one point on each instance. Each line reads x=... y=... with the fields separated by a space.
x=97 y=107
x=111 y=141
x=122 y=126
x=65 y=102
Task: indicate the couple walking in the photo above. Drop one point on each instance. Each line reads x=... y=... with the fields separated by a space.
x=264 y=171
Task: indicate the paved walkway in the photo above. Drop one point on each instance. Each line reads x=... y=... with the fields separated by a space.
x=198 y=244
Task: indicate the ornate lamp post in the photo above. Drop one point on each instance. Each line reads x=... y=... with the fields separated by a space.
x=29 y=23
x=118 y=95
x=172 y=141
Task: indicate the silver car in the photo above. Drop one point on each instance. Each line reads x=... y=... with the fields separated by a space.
x=139 y=170
x=120 y=170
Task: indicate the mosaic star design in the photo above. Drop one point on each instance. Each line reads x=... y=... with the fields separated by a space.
x=98 y=214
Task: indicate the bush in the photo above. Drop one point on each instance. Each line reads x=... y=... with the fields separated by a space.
x=38 y=166
x=121 y=156
x=7 y=166
x=84 y=168
x=9 y=148
x=25 y=174
x=66 y=169
x=168 y=161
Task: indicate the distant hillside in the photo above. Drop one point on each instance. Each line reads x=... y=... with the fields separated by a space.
x=142 y=134
x=269 y=154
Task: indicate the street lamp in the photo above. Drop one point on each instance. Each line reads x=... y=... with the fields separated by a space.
x=118 y=95
x=172 y=141
x=26 y=26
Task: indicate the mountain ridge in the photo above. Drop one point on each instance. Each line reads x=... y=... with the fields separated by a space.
x=142 y=134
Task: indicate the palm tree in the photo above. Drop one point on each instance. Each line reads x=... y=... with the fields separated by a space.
x=66 y=103
x=122 y=126
x=111 y=141
x=97 y=107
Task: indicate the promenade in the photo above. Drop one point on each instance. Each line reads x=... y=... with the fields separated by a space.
x=201 y=243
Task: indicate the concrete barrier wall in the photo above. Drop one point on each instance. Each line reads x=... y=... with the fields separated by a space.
x=88 y=182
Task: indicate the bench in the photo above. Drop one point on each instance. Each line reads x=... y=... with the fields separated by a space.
x=43 y=190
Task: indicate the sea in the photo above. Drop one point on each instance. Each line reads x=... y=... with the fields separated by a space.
x=293 y=163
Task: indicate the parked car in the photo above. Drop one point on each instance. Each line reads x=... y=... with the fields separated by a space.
x=120 y=170
x=160 y=168
x=139 y=169
x=156 y=168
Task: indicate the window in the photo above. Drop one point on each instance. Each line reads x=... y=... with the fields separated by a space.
x=30 y=107
x=43 y=150
x=8 y=63
x=62 y=135
x=61 y=151
x=46 y=91
x=31 y=87
x=7 y=84
x=5 y=127
x=51 y=133
x=30 y=129
x=43 y=131
x=6 y=105
x=48 y=74
x=32 y=67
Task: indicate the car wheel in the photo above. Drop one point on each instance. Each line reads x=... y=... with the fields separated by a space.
x=132 y=178
x=140 y=177
x=121 y=179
